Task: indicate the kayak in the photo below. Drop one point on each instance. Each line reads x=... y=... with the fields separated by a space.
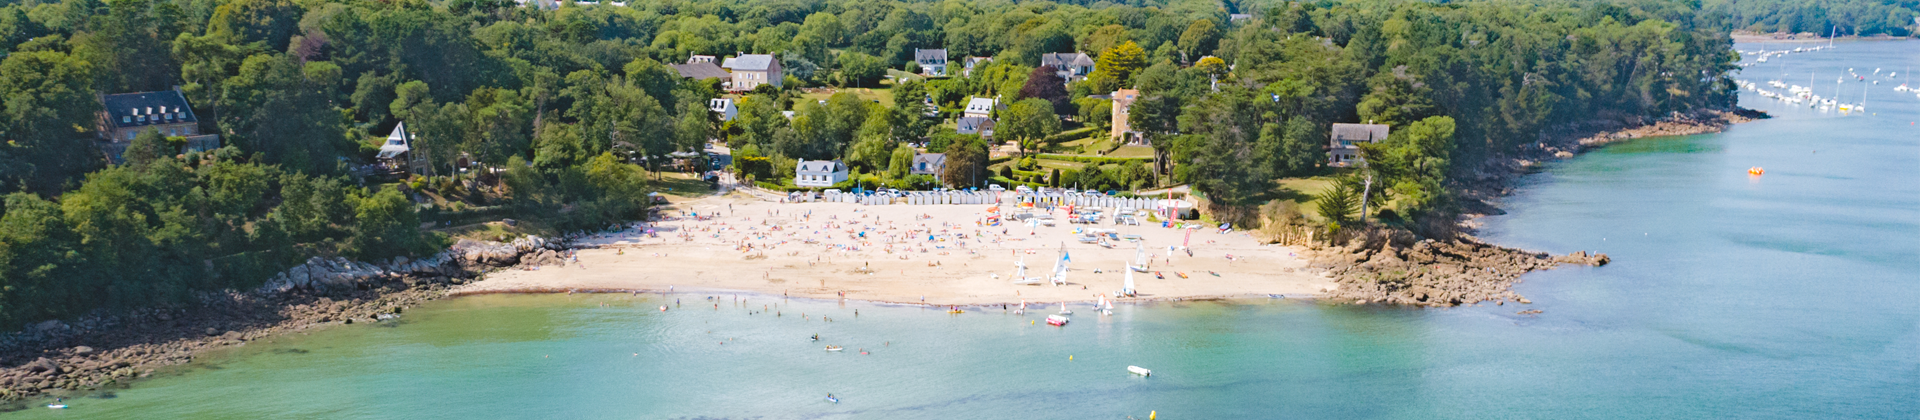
x=832 y=399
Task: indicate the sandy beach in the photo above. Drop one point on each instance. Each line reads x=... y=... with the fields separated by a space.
x=932 y=254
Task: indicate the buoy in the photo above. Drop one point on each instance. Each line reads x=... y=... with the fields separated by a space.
x=1069 y=357
x=1151 y=415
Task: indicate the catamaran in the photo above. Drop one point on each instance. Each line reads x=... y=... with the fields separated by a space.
x=1060 y=267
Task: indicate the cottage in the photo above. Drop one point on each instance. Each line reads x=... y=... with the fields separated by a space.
x=819 y=173
x=124 y=116
x=724 y=107
x=1122 y=126
x=1071 y=67
x=980 y=107
x=932 y=62
x=752 y=70
x=396 y=154
x=982 y=126
x=928 y=164
x=1345 y=148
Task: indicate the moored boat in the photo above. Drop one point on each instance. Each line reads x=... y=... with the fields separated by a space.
x=835 y=348
x=1057 y=320
x=1140 y=371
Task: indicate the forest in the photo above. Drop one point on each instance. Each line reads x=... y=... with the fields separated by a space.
x=567 y=115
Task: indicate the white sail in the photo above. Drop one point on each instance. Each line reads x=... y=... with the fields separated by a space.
x=1060 y=269
x=1128 y=289
x=1020 y=274
x=1139 y=258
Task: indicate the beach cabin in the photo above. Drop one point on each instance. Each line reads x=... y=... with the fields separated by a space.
x=1344 y=150
x=819 y=173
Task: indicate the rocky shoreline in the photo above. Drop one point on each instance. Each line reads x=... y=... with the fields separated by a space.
x=1395 y=266
x=96 y=354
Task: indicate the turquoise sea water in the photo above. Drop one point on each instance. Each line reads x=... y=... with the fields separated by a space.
x=1791 y=295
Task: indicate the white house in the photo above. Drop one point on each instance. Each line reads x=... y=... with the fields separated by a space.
x=724 y=107
x=932 y=62
x=1345 y=148
x=396 y=154
x=819 y=173
x=971 y=62
x=980 y=107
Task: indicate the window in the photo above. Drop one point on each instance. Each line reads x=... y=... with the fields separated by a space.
x=142 y=118
x=125 y=119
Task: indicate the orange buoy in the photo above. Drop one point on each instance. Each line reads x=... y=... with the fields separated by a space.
x=1756 y=171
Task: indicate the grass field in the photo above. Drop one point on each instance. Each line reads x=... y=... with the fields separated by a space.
x=884 y=94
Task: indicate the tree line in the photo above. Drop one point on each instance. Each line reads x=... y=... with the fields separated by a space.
x=569 y=109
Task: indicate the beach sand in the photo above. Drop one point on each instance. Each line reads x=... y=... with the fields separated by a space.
x=738 y=250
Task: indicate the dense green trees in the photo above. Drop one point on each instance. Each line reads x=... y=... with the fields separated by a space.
x=572 y=103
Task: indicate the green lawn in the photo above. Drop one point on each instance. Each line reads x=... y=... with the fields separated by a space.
x=884 y=94
x=1132 y=152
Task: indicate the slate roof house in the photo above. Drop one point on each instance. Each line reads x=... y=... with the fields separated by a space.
x=980 y=107
x=971 y=62
x=1345 y=149
x=975 y=125
x=701 y=71
x=932 y=62
x=125 y=115
x=724 y=107
x=819 y=173
x=928 y=164
x=752 y=70
x=1071 y=67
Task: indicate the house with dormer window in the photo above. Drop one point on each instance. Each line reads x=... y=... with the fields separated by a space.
x=819 y=173
x=932 y=62
x=124 y=116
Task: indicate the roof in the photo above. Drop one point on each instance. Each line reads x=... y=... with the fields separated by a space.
x=397 y=143
x=147 y=108
x=1063 y=60
x=973 y=125
x=920 y=54
x=936 y=159
x=819 y=166
x=1359 y=132
x=701 y=71
x=980 y=105
x=749 y=62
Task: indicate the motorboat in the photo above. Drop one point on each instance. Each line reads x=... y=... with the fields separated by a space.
x=1057 y=320
x=1140 y=371
x=835 y=348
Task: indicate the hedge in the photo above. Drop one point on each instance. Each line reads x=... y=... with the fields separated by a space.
x=1102 y=160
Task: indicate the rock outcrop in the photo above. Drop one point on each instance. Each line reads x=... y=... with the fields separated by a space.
x=1401 y=270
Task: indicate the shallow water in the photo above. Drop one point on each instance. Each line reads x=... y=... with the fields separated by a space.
x=1789 y=295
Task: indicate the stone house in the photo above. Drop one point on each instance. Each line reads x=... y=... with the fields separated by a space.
x=125 y=115
x=1123 y=128
x=752 y=70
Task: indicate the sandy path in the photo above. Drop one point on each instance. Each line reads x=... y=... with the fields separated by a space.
x=957 y=268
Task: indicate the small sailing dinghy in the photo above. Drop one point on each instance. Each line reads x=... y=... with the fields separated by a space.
x=1064 y=310
x=1057 y=320
x=1140 y=371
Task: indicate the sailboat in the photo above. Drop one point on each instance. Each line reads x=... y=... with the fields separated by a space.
x=1060 y=267
x=1139 y=259
x=1104 y=306
x=1064 y=310
x=1020 y=275
x=1127 y=290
